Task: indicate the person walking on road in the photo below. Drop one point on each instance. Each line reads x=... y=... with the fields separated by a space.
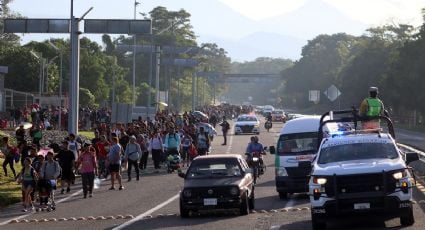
x=88 y=169
x=9 y=156
x=66 y=160
x=50 y=171
x=102 y=147
x=156 y=146
x=132 y=155
x=144 y=146
x=186 y=144
x=172 y=142
x=203 y=142
x=28 y=178
x=114 y=159
x=225 y=126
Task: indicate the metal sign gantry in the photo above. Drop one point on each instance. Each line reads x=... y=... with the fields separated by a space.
x=107 y=26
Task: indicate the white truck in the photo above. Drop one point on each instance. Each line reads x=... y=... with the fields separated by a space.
x=360 y=172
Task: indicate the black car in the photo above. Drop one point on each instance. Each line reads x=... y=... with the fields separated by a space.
x=217 y=182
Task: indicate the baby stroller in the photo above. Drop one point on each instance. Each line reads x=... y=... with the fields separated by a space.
x=173 y=162
x=46 y=195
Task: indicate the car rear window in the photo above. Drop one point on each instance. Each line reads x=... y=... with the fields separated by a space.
x=207 y=168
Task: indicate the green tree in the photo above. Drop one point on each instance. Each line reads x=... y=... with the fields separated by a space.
x=87 y=99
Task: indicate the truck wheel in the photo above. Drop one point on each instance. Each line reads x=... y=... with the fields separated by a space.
x=283 y=195
x=184 y=213
x=317 y=224
x=407 y=219
x=244 y=208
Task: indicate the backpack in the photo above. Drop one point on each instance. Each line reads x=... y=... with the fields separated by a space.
x=56 y=165
x=192 y=151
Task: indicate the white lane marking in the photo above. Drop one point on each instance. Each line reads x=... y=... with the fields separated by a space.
x=229 y=148
x=29 y=214
x=147 y=213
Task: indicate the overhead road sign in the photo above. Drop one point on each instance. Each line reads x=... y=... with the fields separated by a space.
x=108 y=26
x=164 y=49
x=183 y=62
x=209 y=74
x=262 y=76
x=36 y=26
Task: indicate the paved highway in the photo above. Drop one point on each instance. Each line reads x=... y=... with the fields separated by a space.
x=152 y=203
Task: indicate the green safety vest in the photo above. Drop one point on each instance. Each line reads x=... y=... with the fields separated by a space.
x=374 y=107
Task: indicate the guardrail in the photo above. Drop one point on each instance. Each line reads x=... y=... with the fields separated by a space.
x=417 y=165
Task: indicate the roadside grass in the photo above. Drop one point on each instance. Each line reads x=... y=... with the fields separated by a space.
x=10 y=190
x=87 y=134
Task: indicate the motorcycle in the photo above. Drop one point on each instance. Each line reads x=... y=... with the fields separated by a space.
x=268 y=125
x=256 y=164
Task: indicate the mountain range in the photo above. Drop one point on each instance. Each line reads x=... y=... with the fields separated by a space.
x=280 y=36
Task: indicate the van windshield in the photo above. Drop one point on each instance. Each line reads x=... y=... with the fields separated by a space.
x=297 y=144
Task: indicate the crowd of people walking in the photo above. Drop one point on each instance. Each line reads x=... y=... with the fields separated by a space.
x=115 y=147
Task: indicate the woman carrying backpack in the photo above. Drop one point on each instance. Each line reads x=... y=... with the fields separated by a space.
x=28 y=178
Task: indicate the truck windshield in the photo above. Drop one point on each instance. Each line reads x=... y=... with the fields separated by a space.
x=297 y=144
x=357 y=151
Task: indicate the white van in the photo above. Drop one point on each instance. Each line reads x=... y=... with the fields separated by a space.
x=295 y=148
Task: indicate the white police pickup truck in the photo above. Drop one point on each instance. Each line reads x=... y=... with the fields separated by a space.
x=360 y=172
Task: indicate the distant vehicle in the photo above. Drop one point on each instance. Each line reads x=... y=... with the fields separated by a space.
x=200 y=116
x=267 y=109
x=291 y=116
x=247 y=124
x=278 y=115
x=217 y=182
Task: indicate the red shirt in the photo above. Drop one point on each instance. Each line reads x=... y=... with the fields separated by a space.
x=100 y=146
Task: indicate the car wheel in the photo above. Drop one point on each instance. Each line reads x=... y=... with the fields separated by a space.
x=184 y=213
x=407 y=219
x=317 y=224
x=244 y=209
x=252 y=200
x=283 y=195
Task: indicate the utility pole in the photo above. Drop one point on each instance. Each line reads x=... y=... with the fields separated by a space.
x=134 y=58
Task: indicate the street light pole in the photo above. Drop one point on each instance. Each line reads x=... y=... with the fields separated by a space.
x=60 y=83
x=134 y=58
x=74 y=86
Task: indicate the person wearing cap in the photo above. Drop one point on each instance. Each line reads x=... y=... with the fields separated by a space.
x=132 y=155
x=88 y=169
x=371 y=106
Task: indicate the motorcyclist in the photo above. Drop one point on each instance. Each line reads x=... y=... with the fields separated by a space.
x=255 y=149
x=268 y=125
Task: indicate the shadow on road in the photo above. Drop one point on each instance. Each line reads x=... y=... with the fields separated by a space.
x=342 y=223
x=196 y=221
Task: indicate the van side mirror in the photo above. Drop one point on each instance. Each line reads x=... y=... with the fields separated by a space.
x=410 y=157
x=272 y=150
